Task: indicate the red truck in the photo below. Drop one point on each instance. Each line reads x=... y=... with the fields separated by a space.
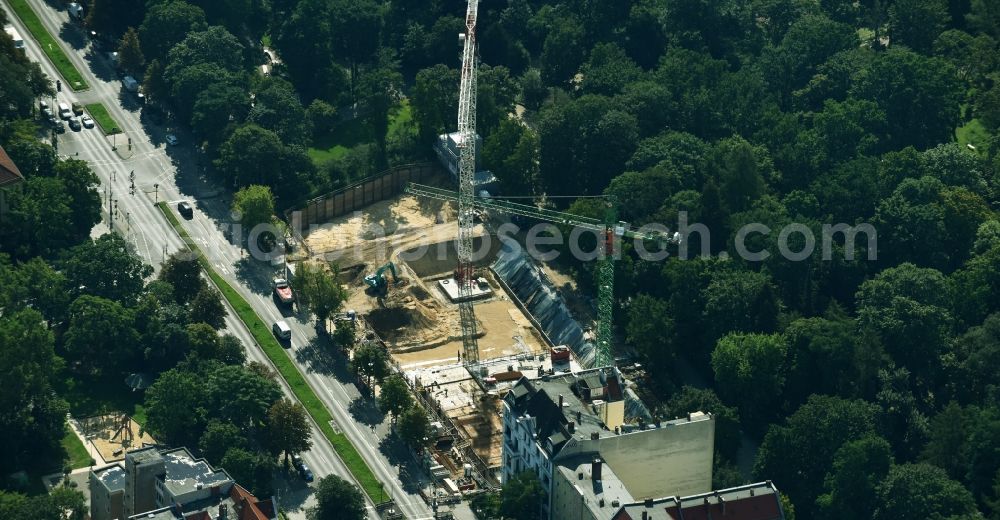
x=283 y=291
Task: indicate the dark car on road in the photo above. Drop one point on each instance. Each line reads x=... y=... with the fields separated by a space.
x=185 y=209
x=301 y=467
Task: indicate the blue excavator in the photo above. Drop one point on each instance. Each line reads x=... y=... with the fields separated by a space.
x=377 y=281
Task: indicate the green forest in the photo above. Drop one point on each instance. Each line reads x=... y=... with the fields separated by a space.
x=866 y=388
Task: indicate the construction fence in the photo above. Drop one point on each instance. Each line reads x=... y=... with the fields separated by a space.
x=366 y=191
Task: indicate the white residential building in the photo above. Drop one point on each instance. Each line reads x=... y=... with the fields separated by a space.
x=562 y=419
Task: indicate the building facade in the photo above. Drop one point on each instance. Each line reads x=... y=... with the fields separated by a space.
x=557 y=423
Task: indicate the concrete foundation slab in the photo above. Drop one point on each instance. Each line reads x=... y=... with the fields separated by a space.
x=480 y=290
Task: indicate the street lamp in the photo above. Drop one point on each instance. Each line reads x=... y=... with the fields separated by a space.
x=371 y=370
x=156 y=193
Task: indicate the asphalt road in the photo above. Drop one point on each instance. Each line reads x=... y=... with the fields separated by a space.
x=173 y=174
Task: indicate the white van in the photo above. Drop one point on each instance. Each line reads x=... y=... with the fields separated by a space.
x=282 y=330
x=65 y=112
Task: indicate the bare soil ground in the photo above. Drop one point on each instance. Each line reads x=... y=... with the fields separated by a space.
x=103 y=432
x=373 y=235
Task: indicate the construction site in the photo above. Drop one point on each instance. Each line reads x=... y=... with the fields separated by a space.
x=412 y=308
x=463 y=314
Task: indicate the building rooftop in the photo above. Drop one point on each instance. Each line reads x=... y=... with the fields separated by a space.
x=603 y=495
x=184 y=473
x=758 y=501
x=578 y=393
x=113 y=477
x=145 y=455
x=9 y=174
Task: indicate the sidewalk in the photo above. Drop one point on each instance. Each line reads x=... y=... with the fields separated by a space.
x=94 y=454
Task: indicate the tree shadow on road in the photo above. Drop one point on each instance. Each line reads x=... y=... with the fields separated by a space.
x=292 y=490
x=318 y=356
x=99 y=65
x=365 y=411
x=398 y=453
x=255 y=275
x=73 y=36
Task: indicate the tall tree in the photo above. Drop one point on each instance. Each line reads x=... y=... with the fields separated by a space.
x=255 y=206
x=252 y=155
x=111 y=17
x=239 y=395
x=130 y=57
x=917 y=23
x=220 y=437
x=166 y=24
x=852 y=484
x=394 y=396
x=31 y=414
x=651 y=330
x=511 y=153
x=317 y=289
x=254 y=469
x=413 y=426
x=922 y=490
x=370 y=361
x=106 y=267
x=521 y=497
x=288 y=428
x=206 y=307
x=176 y=407
x=908 y=307
x=800 y=452
x=184 y=274
x=378 y=91
x=434 y=101
x=919 y=95
x=277 y=108
x=81 y=185
x=101 y=337
x=337 y=499
x=750 y=370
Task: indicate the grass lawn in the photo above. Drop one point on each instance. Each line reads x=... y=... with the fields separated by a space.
x=103 y=118
x=973 y=133
x=351 y=133
x=289 y=372
x=76 y=452
x=49 y=45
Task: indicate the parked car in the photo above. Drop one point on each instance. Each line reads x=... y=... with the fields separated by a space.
x=88 y=122
x=281 y=330
x=44 y=105
x=171 y=139
x=185 y=209
x=59 y=125
x=74 y=124
x=77 y=108
x=130 y=84
x=301 y=467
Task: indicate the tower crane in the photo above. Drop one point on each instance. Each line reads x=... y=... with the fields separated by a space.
x=609 y=229
x=465 y=275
